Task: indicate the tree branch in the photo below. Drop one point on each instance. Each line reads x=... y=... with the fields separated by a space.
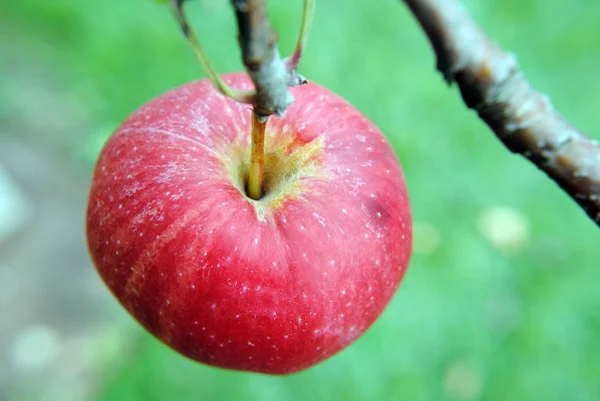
x=521 y=117
x=269 y=72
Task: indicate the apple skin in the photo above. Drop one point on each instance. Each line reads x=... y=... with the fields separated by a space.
x=275 y=285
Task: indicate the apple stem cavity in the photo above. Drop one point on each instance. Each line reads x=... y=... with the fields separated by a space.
x=270 y=74
x=254 y=188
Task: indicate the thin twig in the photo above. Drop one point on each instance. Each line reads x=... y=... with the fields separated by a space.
x=521 y=117
x=270 y=74
x=307 y=14
x=215 y=79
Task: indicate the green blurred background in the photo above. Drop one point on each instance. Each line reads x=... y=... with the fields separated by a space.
x=502 y=297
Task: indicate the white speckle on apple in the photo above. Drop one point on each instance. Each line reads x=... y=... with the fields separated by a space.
x=120 y=206
x=250 y=343
x=320 y=218
x=304 y=254
x=332 y=262
x=369 y=149
x=193 y=287
x=168 y=302
x=221 y=345
x=212 y=337
x=348 y=170
x=237 y=316
x=379 y=214
x=343 y=292
x=318 y=348
x=213 y=306
x=344 y=211
x=286 y=337
x=299 y=320
x=302 y=228
x=361 y=138
x=372 y=299
x=255 y=241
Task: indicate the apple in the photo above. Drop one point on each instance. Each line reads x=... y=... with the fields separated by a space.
x=273 y=285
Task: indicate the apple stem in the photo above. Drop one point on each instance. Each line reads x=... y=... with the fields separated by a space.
x=257 y=156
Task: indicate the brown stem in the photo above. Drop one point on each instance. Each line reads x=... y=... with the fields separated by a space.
x=521 y=117
x=270 y=74
x=257 y=157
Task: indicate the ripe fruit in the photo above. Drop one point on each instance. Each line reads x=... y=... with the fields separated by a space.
x=274 y=285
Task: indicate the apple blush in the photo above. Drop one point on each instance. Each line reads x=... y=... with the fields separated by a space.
x=273 y=285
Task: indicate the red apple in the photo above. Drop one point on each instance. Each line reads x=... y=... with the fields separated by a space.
x=272 y=285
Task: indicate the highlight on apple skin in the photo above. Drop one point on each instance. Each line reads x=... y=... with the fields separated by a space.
x=273 y=285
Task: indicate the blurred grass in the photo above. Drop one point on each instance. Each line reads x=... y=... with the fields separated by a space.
x=471 y=320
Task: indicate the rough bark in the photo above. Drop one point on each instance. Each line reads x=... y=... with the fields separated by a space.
x=521 y=117
x=269 y=72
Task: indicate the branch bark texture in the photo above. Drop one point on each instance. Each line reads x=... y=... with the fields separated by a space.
x=269 y=72
x=521 y=117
